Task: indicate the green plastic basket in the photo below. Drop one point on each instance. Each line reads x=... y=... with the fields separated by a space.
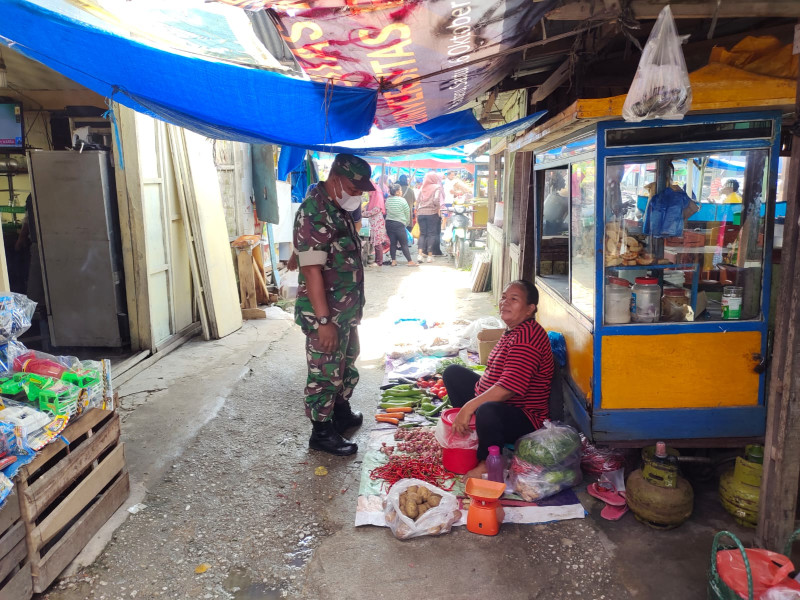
x=718 y=589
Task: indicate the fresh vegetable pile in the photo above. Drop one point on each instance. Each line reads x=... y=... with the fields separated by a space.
x=417 y=500
x=418 y=442
x=426 y=397
x=402 y=466
x=546 y=462
x=421 y=458
x=443 y=364
x=415 y=508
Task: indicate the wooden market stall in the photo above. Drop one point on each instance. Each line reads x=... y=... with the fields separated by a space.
x=682 y=371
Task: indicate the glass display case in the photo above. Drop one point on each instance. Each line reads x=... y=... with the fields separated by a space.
x=654 y=249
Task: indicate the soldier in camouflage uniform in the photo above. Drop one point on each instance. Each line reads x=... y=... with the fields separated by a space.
x=330 y=299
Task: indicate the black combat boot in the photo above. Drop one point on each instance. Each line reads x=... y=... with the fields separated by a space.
x=345 y=418
x=325 y=438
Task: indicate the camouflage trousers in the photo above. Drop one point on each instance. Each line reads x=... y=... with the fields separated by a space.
x=331 y=377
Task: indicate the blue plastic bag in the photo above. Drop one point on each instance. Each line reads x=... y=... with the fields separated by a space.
x=558 y=345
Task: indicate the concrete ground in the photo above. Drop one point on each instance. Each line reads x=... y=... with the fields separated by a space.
x=216 y=443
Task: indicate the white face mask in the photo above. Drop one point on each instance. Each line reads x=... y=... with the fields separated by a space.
x=348 y=202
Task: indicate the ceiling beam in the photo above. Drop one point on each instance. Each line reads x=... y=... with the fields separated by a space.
x=593 y=45
x=487 y=108
x=582 y=10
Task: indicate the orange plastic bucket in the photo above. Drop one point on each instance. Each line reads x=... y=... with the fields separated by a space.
x=458 y=460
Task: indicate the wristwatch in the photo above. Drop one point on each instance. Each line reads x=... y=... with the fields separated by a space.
x=323 y=320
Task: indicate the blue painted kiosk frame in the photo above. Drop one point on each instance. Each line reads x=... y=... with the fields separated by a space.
x=696 y=424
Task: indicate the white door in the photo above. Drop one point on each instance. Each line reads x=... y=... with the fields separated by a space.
x=168 y=272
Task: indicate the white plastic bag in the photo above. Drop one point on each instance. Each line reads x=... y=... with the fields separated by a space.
x=780 y=593
x=448 y=438
x=289 y=283
x=660 y=88
x=469 y=335
x=435 y=521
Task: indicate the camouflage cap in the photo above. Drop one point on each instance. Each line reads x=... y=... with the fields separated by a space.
x=356 y=169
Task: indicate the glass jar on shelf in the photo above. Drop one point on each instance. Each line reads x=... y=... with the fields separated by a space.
x=675 y=305
x=645 y=300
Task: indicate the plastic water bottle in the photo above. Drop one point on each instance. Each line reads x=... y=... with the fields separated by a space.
x=494 y=465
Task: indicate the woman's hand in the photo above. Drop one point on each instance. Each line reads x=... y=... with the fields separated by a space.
x=461 y=424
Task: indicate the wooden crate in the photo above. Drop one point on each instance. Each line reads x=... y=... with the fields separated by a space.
x=69 y=491
x=15 y=569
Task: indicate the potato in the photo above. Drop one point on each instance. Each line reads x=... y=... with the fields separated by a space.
x=413 y=497
x=411 y=509
x=403 y=498
x=402 y=531
x=423 y=493
x=412 y=489
x=422 y=509
x=435 y=530
x=434 y=500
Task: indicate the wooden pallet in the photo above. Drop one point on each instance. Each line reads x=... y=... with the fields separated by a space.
x=69 y=491
x=15 y=569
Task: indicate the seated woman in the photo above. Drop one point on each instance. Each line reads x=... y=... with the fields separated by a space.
x=511 y=398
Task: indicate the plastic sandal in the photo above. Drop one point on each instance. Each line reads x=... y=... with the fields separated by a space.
x=607 y=495
x=613 y=513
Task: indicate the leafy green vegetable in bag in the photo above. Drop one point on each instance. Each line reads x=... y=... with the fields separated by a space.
x=548 y=446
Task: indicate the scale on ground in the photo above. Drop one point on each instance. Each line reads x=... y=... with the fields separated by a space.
x=485 y=512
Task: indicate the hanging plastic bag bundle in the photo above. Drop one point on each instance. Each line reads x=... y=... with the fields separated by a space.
x=16 y=311
x=546 y=461
x=661 y=87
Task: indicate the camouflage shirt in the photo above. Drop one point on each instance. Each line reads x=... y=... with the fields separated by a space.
x=325 y=235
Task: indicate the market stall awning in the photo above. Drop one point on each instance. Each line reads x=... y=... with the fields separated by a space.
x=427 y=58
x=446 y=131
x=216 y=96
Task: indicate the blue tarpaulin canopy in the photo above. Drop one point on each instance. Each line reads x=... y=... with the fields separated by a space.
x=220 y=99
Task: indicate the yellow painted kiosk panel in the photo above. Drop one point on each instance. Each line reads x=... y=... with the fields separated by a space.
x=687 y=370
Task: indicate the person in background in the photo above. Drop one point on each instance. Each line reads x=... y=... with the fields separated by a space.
x=714 y=188
x=408 y=193
x=448 y=184
x=729 y=193
x=375 y=212
x=330 y=300
x=398 y=216
x=429 y=211
x=555 y=208
x=512 y=397
x=462 y=191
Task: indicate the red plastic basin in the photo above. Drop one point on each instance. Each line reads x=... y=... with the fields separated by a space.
x=458 y=460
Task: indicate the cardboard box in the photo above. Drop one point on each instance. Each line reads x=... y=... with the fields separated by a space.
x=486 y=341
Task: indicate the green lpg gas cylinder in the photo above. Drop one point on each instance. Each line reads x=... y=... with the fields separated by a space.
x=740 y=489
x=658 y=506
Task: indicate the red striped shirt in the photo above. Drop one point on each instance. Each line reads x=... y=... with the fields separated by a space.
x=522 y=362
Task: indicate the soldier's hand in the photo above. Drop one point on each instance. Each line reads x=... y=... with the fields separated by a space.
x=328 y=338
x=292 y=264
